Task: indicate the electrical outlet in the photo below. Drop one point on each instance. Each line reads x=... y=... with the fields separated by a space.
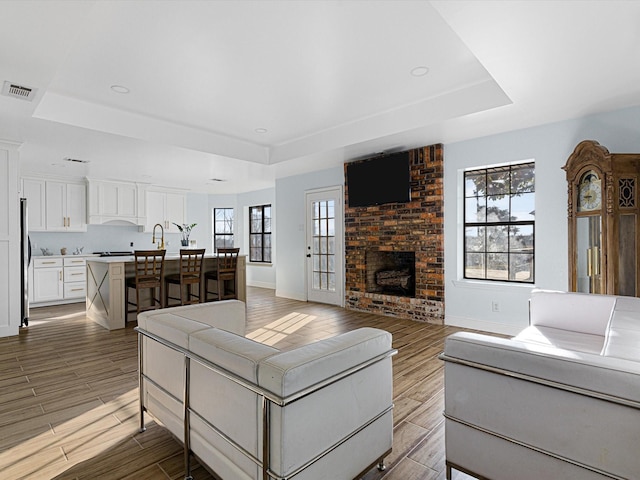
x=495 y=306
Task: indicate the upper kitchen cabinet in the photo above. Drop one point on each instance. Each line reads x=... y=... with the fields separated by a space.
x=111 y=201
x=33 y=189
x=56 y=205
x=66 y=207
x=165 y=208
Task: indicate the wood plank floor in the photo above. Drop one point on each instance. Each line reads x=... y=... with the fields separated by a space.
x=68 y=393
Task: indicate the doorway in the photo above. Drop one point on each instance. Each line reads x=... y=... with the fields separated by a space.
x=325 y=246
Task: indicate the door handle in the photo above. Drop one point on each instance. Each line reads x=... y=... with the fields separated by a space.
x=308 y=255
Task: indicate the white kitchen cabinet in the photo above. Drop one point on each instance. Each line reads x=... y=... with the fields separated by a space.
x=74 y=276
x=66 y=207
x=33 y=189
x=57 y=279
x=112 y=201
x=55 y=205
x=48 y=280
x=165 y=208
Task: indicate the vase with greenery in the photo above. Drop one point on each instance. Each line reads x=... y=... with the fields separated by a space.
x=185 y=231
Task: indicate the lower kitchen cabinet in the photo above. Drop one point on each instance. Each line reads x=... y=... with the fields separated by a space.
x=58 y=280
x=75 y=278
x=48 y=280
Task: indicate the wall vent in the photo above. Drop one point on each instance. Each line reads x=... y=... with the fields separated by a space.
x=18 y=91
x=75 y=160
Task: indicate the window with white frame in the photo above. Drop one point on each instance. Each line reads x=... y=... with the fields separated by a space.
x=499 y=223
x=260 y=233
x=222 y=228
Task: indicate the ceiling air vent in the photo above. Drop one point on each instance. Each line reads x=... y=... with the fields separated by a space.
x=75 y=160
x=18 y=91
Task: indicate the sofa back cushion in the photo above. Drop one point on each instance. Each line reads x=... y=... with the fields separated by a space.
x=229 y=315
x=578 y=312
x=623 y=334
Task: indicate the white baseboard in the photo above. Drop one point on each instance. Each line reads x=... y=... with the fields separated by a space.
x=268 y=285
x=483 y=325
x=291 y=295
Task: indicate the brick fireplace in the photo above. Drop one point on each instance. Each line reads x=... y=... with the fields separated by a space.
x=403 y=238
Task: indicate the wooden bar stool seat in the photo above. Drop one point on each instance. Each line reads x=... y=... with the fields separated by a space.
x=190 y=274
x=148 y=272
x=224 y=276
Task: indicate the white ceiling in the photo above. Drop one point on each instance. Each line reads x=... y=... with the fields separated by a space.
x=329 y=80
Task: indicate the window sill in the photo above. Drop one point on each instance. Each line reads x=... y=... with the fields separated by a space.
x=260 y=264
x=486 y=285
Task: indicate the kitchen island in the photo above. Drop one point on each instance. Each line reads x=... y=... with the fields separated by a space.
x=106 y=285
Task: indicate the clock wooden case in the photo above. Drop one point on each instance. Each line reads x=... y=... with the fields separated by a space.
x=603 y=213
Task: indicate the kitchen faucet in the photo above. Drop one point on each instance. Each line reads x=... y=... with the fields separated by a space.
x=153 y=238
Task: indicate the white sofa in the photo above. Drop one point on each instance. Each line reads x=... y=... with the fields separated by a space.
x=561 y=400
x=321 y=411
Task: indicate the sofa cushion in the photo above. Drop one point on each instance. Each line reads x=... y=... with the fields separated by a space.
x=229 y=315
x=596 y=373
x=165 y=326
x=623 y=335
x=236 y=354
x=292 y=371
x=556 y=337
x=577 y=312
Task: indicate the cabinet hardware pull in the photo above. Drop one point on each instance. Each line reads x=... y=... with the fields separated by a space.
x=60 y=275
x=43 y=263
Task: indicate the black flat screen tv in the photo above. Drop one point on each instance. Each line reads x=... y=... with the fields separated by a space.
x=379 y=180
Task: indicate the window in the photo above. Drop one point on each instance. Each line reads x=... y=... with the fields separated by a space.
x=222 y=228
x=499 y=211
x=260 y=234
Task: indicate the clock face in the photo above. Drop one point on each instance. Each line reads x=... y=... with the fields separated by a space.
x=589 y=192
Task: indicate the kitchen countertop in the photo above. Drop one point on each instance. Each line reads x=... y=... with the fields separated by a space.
x=131 y=258
x=82 y=255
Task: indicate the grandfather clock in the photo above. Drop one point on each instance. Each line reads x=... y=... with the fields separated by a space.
x=603 y=212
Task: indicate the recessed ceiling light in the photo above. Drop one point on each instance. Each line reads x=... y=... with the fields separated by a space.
x=420 y=71
x=119 y=89
x=261 y=130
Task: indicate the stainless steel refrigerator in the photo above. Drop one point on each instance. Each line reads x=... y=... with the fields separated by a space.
x=25 y=259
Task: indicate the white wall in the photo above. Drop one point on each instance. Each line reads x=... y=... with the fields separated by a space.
x=468 y=303
x=291 y=245
x=258 y=274
x=198 y=212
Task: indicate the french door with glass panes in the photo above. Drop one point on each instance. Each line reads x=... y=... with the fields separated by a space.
x=325 y=252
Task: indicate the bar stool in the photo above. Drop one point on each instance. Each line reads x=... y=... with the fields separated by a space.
x=190 y=274
x=149 y=270
x=225 y=273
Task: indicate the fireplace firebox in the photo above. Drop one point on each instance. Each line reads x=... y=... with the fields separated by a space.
x=390 y=272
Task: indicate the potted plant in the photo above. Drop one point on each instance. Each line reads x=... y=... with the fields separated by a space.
x=185 y=231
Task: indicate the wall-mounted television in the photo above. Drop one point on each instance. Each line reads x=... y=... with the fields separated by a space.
x=379 y=180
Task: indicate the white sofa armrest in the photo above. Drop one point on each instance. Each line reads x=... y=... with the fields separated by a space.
x=292 y=371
